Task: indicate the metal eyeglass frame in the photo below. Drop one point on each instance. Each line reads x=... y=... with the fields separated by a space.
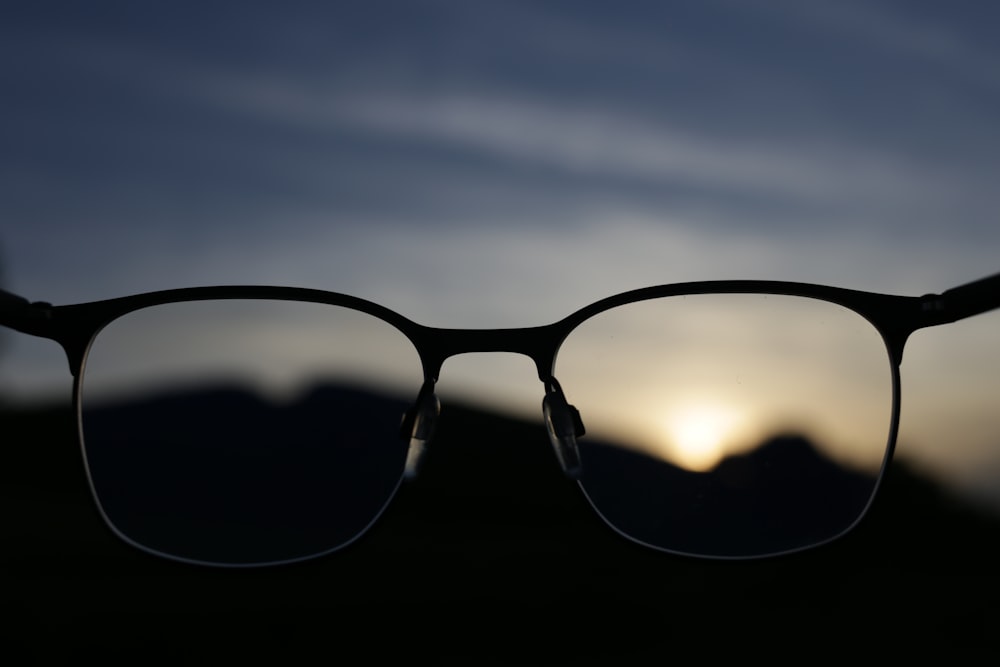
x=75 y=326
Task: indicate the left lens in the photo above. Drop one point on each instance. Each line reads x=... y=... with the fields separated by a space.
x=245 y=432
x=730 y=425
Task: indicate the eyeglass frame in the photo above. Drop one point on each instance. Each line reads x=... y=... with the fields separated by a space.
x=894 y=317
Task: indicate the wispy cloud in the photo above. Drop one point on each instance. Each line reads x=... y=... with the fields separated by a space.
x=959 y=40
x=604 y=142
x=763 y=139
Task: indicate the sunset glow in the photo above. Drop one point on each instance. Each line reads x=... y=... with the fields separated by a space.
x=698 y=434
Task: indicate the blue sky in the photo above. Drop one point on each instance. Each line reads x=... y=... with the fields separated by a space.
x=502 y=164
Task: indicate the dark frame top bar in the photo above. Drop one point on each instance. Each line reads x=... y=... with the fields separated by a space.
x=895 y=317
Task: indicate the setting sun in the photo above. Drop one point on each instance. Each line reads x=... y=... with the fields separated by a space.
x=698 y=434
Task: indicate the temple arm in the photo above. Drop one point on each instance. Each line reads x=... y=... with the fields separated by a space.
x=973 y=298
x=22 y=315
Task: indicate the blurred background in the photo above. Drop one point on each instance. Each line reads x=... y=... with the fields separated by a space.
x=501 y=164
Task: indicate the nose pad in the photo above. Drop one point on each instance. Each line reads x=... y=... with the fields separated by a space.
x=564 y=424
x=418 y=425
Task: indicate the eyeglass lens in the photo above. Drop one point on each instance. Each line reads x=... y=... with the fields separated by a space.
x=730 y=425
x=256 y=431
x=246 y=431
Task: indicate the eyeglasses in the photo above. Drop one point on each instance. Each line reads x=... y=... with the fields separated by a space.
x=249 y=426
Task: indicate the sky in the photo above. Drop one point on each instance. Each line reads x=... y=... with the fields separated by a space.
x=501 y=164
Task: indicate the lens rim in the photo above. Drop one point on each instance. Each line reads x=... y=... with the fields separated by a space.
x=894 y=387
x=389 y=486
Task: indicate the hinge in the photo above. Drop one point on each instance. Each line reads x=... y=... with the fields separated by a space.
x=934 y=307
x=22 y=315
x=932 y=303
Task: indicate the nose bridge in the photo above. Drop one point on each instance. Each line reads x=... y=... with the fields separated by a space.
x=562 y=420
x=537 y=343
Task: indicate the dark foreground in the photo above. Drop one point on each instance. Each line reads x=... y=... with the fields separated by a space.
x=490 y=557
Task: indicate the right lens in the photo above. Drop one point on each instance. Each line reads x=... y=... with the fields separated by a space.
x=245 y=432
x=730 y=425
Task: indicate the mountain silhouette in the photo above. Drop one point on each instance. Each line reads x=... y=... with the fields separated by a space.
x=220 y=474
x=489 y=556
x=781 y=495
